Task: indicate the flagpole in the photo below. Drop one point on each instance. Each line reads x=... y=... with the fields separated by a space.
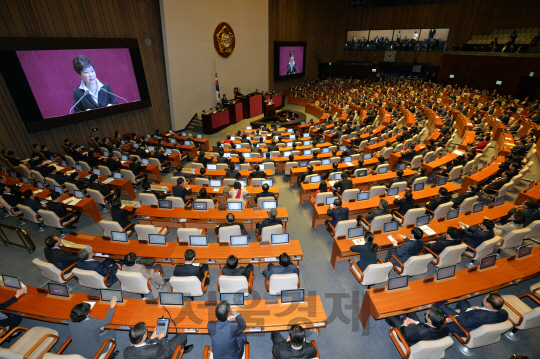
x=217 y=84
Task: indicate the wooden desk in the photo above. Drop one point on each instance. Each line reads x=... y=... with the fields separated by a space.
x=420 y=295
x=497 y=126
x=441 y=161
x=254 y=253
x=462 y=123
x=467 y=141
x=297 y=171
x=208 y=219
x=505 y=143
x=363 y=207
x=124 y=185
x=222 y=173
x=194 y=315
x=307 y=189
x=341 y=248
x=481 y=175
x=314 y=110
x=396 y=156
x=203 y=142
x=379 y=145
x=533 y=194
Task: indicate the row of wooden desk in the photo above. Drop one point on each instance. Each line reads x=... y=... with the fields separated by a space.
x=342 y=166
x=419 y=295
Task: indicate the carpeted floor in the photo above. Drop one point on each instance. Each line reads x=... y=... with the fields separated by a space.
x=340 y=293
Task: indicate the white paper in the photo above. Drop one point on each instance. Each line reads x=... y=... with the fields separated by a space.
x=427 y=230
x=331 y=183
x=393 y=240
x=91 y=304
x=349 y=164
x=49 y=198
x=358 y=241
x=196 y=264
x=397 y=197
x=216 y=189
x=38 y=191
x=459 y=153
x=75 y=201
x=67 y=200
x=101 y=255
x=270 y=259
x=182 y=220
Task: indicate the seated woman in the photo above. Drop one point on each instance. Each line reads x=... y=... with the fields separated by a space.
x=158 y=283
x=323 y=187
x=368 y=251
x=237 y=192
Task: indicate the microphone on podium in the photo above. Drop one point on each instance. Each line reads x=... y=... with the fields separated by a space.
x=114 y=94
x=85 y=93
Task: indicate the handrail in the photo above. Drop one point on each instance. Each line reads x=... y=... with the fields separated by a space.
x=27 y=242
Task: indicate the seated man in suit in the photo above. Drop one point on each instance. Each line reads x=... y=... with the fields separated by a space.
x=474 y=236
x=232 y=172
x=142 y=152
x=161 y=156
x=61 y=211
x=179 y=191
x=159 y=196
x=433 y=204
x=108 y=266
x=305 y=174
x=497 y=184
x=231 y=222
x=107 y=193
x=515 y=222
x=344 y=184
x=410 y=248
x=421 y=173
x=285 y=267
x=397 y=179
x=30 y=201
x=189 y=268
x=407 y=156
x=337 y=213
x=113 y=163
x=155 y=347
x=414 y=331
x=471 y=192
x=257 y=173
x=55 y=255
x=60 y=178
x=120 y=214
x=265 y=192
x=181 y=173
x=232 y=269
x=136 y=167
x=380 y=163
x=405 y=203
x=76 y=180
x=294 y=347
x=451 y=238
x=380 y=211
x=530 y=211
x=227 y=333
x=471 y=318
x=272 y=213
x=48 y=154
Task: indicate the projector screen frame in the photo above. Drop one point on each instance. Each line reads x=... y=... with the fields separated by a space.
x=22 y=94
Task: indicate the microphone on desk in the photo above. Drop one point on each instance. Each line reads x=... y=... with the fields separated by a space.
x=85 y=93
x=114 y=94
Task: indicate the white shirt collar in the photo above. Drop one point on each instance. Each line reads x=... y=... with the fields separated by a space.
x=84 y=88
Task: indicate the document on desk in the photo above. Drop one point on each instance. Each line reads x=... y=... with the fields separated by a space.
x=38 y=191
x=459 y=153
x=349 y=164
x=427 y=230
x=217 y=189
x=393 y=240
x=108 y=180
x=359 y=241
x=332 y=183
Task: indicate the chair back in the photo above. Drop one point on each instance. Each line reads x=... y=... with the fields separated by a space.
x=377 y=224
x=26 y=171
x=270 y=166
x=451 y=255
x=225 y=233
x=467 y=204
x=266 y=232
x=515 y=238
x=382 y=166
x=65 y=356
x=177 y=202
x=128 y=174
x=335 y=159
x=221 y=166
x=412 y=214
x=431 y=349
x=376 y=273
x=29 y=214
x=332 y=175
x=279 y=282
x=256 y=181
x=349 y=194
x=233 y=284
x=85 y=166
x=417 y=265
x=455 y=173
x=505 y=188
x=202 y=181
x=155 y=161
x=133 y=282
x=342 y=227
x=143 y=230
x=442 y=210
x=182 y=234
x=229 y=181
x=467 y=167
x=362 y=145
x=531 y=317
x=49 y=270
x=288 y=167
x=148 y=199
x=419 y=180
x=71 y=188
x=110 y=226
x=387 y=152
x=29 y=339
x=51 y=182
x=209 y=203
x=71 y=162
x=485 y=248
x=401 y=185
x=488 y=334
x=535 y=229
x=322 y=196
x=104 y=170
x=37 y=176
x=89 y=278
x=189 y=286
x=133 y=157
x=50 y=219
x=234 y=200
x=427 y=156
x=376 y=191
x=314 y=163
x=261 y=200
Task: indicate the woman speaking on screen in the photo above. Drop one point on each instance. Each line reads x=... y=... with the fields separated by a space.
x=92 y=93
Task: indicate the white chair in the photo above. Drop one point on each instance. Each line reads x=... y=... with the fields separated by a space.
x=415 y=265
x=225 y=233
x=85 y=166
x=148 y=199
x=279 y=282
x=134 y=282
x=386 y=152
x=113 y=226
x=427 y=156
x=454 y=174
x=450 y=256
x=535 y=229
x=374 y=273
x=349 y=194
x=419 y=180
x=71 y=188
x=501 y=192
x=410 y=217
x=288 y=167
x=37 y=176
x=33 y=344
x=513 y=239
x=520 y=314
x=143 y=230
x=199 y=181
x=208 y=352
x=467 y=204
x=30 y=215
x=177 y=202
x=377 y=224
x=401 y=185
x=52 y=183
x=266 y=233
x=416 y=162
x=235 y=284
x=11 y=211
x=441 y=211
x=424 y=349
x=482 y=336
x=91 y=279
x=182 y=234
x=484 y=249
x=99 y=198
x=104 y=171
x=71 y=162
x=261 y=200
x=322 y=196
x=189 y=286
x=51 y=272
x=376 y=191
x=467 y=167
x=383 y=166
x=50 y=219
x=342 y=227
x=127 y=174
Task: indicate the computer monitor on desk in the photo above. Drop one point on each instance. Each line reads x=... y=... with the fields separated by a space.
x=396 y=283
x=422 y=220
x=234 y=206
x=293 y=296
x=171 y=299
x=363 y=196
x=239 y=240
x=488 y=262
x=282 y=238
x=157 y=239
x=200 y=241
x=446 y=272
x=418 y=187
x=524 y=251
x=119 y=237
x=391 y=227
x=199 y=206
x=234 y=299
x=267 y=205
x=356 y=232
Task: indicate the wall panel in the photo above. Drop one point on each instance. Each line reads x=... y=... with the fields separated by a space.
x=98 y=18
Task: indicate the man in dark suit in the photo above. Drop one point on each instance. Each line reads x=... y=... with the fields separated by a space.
x=55 y=255
x=75 y=179
x=273 y=146
x=179 y=191
x=30 y=201
x=474 y=236
x=224 y=101
x=77 y=155
x=113 y=163
x=405 y=203
x=471 y=192
x=305 y=174
x=136 y=167
x=232 y=173
x=272 y=213
x=181 y=173
x=337 y=213
x=108 y=266
x=410 y=248
x=450 y=239
x=380 y=211
x=414 y=331
x=189 y=269
x=471 y=318
x=220 y=158
x=344 y=184
x=120 y=214
x=155 y=347
x=231 y=222
x=407 y=156
x=257 y=173
x=232 y=269
x=60 y=178
x=265 y=193
x=285 y=267
x=497 y=184
x=14 y=160
x=61 y=211
x=433 y=204
x=227 y=333
x=107 y=193
x=294 y=347
x=529 y=210
x=397 y=179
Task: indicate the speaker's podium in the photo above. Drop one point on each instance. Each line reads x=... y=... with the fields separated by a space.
x=253 y=105
x=214 y=121
x=236 y=113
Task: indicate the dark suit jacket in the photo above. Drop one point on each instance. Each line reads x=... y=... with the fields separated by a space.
x=343 y=185
x=189 y=270
x=270 y=222
x=155 y=349
x=530 y=214
x=264 y=194
x=238 y=271
x=408 y=155
x=60 y=258
x=98 y=187
x=411 y=180
x=459 y=199
x=232 y=174
x=100 y=267
x=183 y=174
x=284 y=350
x=11 y=199
x=141 y=153
x=120 y=215
x=497 y=184
x=58 y=208
x=15 y=161
x=33 y=204
x=87 y=103
x=376 y=213
x=80 y=184
x=433 y=204
x=338 y=214
x=257 y=174
x=367 y=257
x=179 y=191
x=136 y=168
x=408 y=249
x=404 y=205
x=113 y=165
x=224 y=338
x=413 y=333
x=441 y=244
x=77 y=156
x=244 y=232
x=475 y=318
x=474 y=236
x=395 y=180
x=277 y=269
